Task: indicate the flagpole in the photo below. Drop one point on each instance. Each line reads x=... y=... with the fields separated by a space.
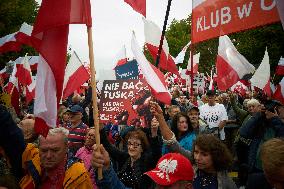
x=191 y=71
x=94 y=94
x=163 y=33
x=191 y=55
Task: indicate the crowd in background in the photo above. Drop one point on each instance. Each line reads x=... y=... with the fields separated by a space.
x=213 y=140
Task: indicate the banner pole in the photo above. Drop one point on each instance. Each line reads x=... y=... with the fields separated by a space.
x=94 y=94
x=191 y=54
x=163 y=32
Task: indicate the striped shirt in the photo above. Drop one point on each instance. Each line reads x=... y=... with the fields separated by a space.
x=76 y=137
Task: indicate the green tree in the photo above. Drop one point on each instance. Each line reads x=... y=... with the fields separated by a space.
x=12 y=14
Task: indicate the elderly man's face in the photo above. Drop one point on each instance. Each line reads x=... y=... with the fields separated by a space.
x=52 y=150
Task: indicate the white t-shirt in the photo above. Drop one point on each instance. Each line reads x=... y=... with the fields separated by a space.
x=213 y=115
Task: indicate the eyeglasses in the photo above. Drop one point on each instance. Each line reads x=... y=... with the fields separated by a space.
x=134 y=144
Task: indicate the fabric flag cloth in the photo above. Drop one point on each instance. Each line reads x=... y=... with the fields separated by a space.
x=231 y=65
x=280 y=8
x=50 y=37
x=154 y=77
x=24 y=73
x=120 y=58
x=239 y=88
x=75 y=75
x=261 y=77
x=280 y=67
x=33 y=61
x=279 y=93
x=211 y=84
x=195 y=64
x=13 y=88
x=30 y=90
x=152 y=36
x=180 y=57
x=138 y=5
x=13 y=42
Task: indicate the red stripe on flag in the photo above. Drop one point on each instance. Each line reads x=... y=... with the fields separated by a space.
x=78 y=78
x=227 y=76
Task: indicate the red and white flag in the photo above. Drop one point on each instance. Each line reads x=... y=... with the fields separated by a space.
x=75 y=75
x=13 y=88
x=261 y=77
x=138 y=5
x=24 y=73
x=120 y=58
x=50 y=37
x=13 y=42
x=280 y=67
x=154 y=77
x=195 y=64
x=239 y=88
x=231 y=65
x=180 y=57
x=279 y=93
x=30 y=90
x=32 y=60
x=152 y=36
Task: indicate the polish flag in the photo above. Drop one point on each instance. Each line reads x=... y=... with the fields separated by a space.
x=261 y=77
x=120 y=58
x=50 y=37
x=24 y=73
x=154 y=77
x=231 y=65
x=239 y=88
x=152 y=36
x=75 y=75
x=195 y=64
x=180 y=57
x=138 y=5
x=211 y=84
x=13 y=42
x=280 y=67
x=279 y=93
x=30 y=90
x=12 y=88
x=32 y=60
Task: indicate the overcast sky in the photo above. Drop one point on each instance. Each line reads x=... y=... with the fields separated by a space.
x=113 y=22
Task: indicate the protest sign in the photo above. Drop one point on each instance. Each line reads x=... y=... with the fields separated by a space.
x=127 y=71
x=213 y=18
x=123 y=101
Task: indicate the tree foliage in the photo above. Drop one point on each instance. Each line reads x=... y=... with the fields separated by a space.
x=250 y=43
x=12 y=14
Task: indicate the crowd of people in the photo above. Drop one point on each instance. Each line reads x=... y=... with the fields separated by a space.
x=217 y=140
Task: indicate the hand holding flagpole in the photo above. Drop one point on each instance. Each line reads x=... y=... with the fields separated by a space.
x=94 y=94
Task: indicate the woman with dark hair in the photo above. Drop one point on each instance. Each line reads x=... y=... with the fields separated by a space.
x=138 y=159
x=183 y=131
x=212 y=159
x=179 y=140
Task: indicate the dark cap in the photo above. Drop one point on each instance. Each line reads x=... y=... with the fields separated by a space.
x=193 y=108
x=211 y=93
x=76 y=109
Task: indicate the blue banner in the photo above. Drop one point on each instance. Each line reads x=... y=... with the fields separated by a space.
x=127 y=71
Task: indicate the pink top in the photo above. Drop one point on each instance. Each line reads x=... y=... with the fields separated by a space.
x=85 y=154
